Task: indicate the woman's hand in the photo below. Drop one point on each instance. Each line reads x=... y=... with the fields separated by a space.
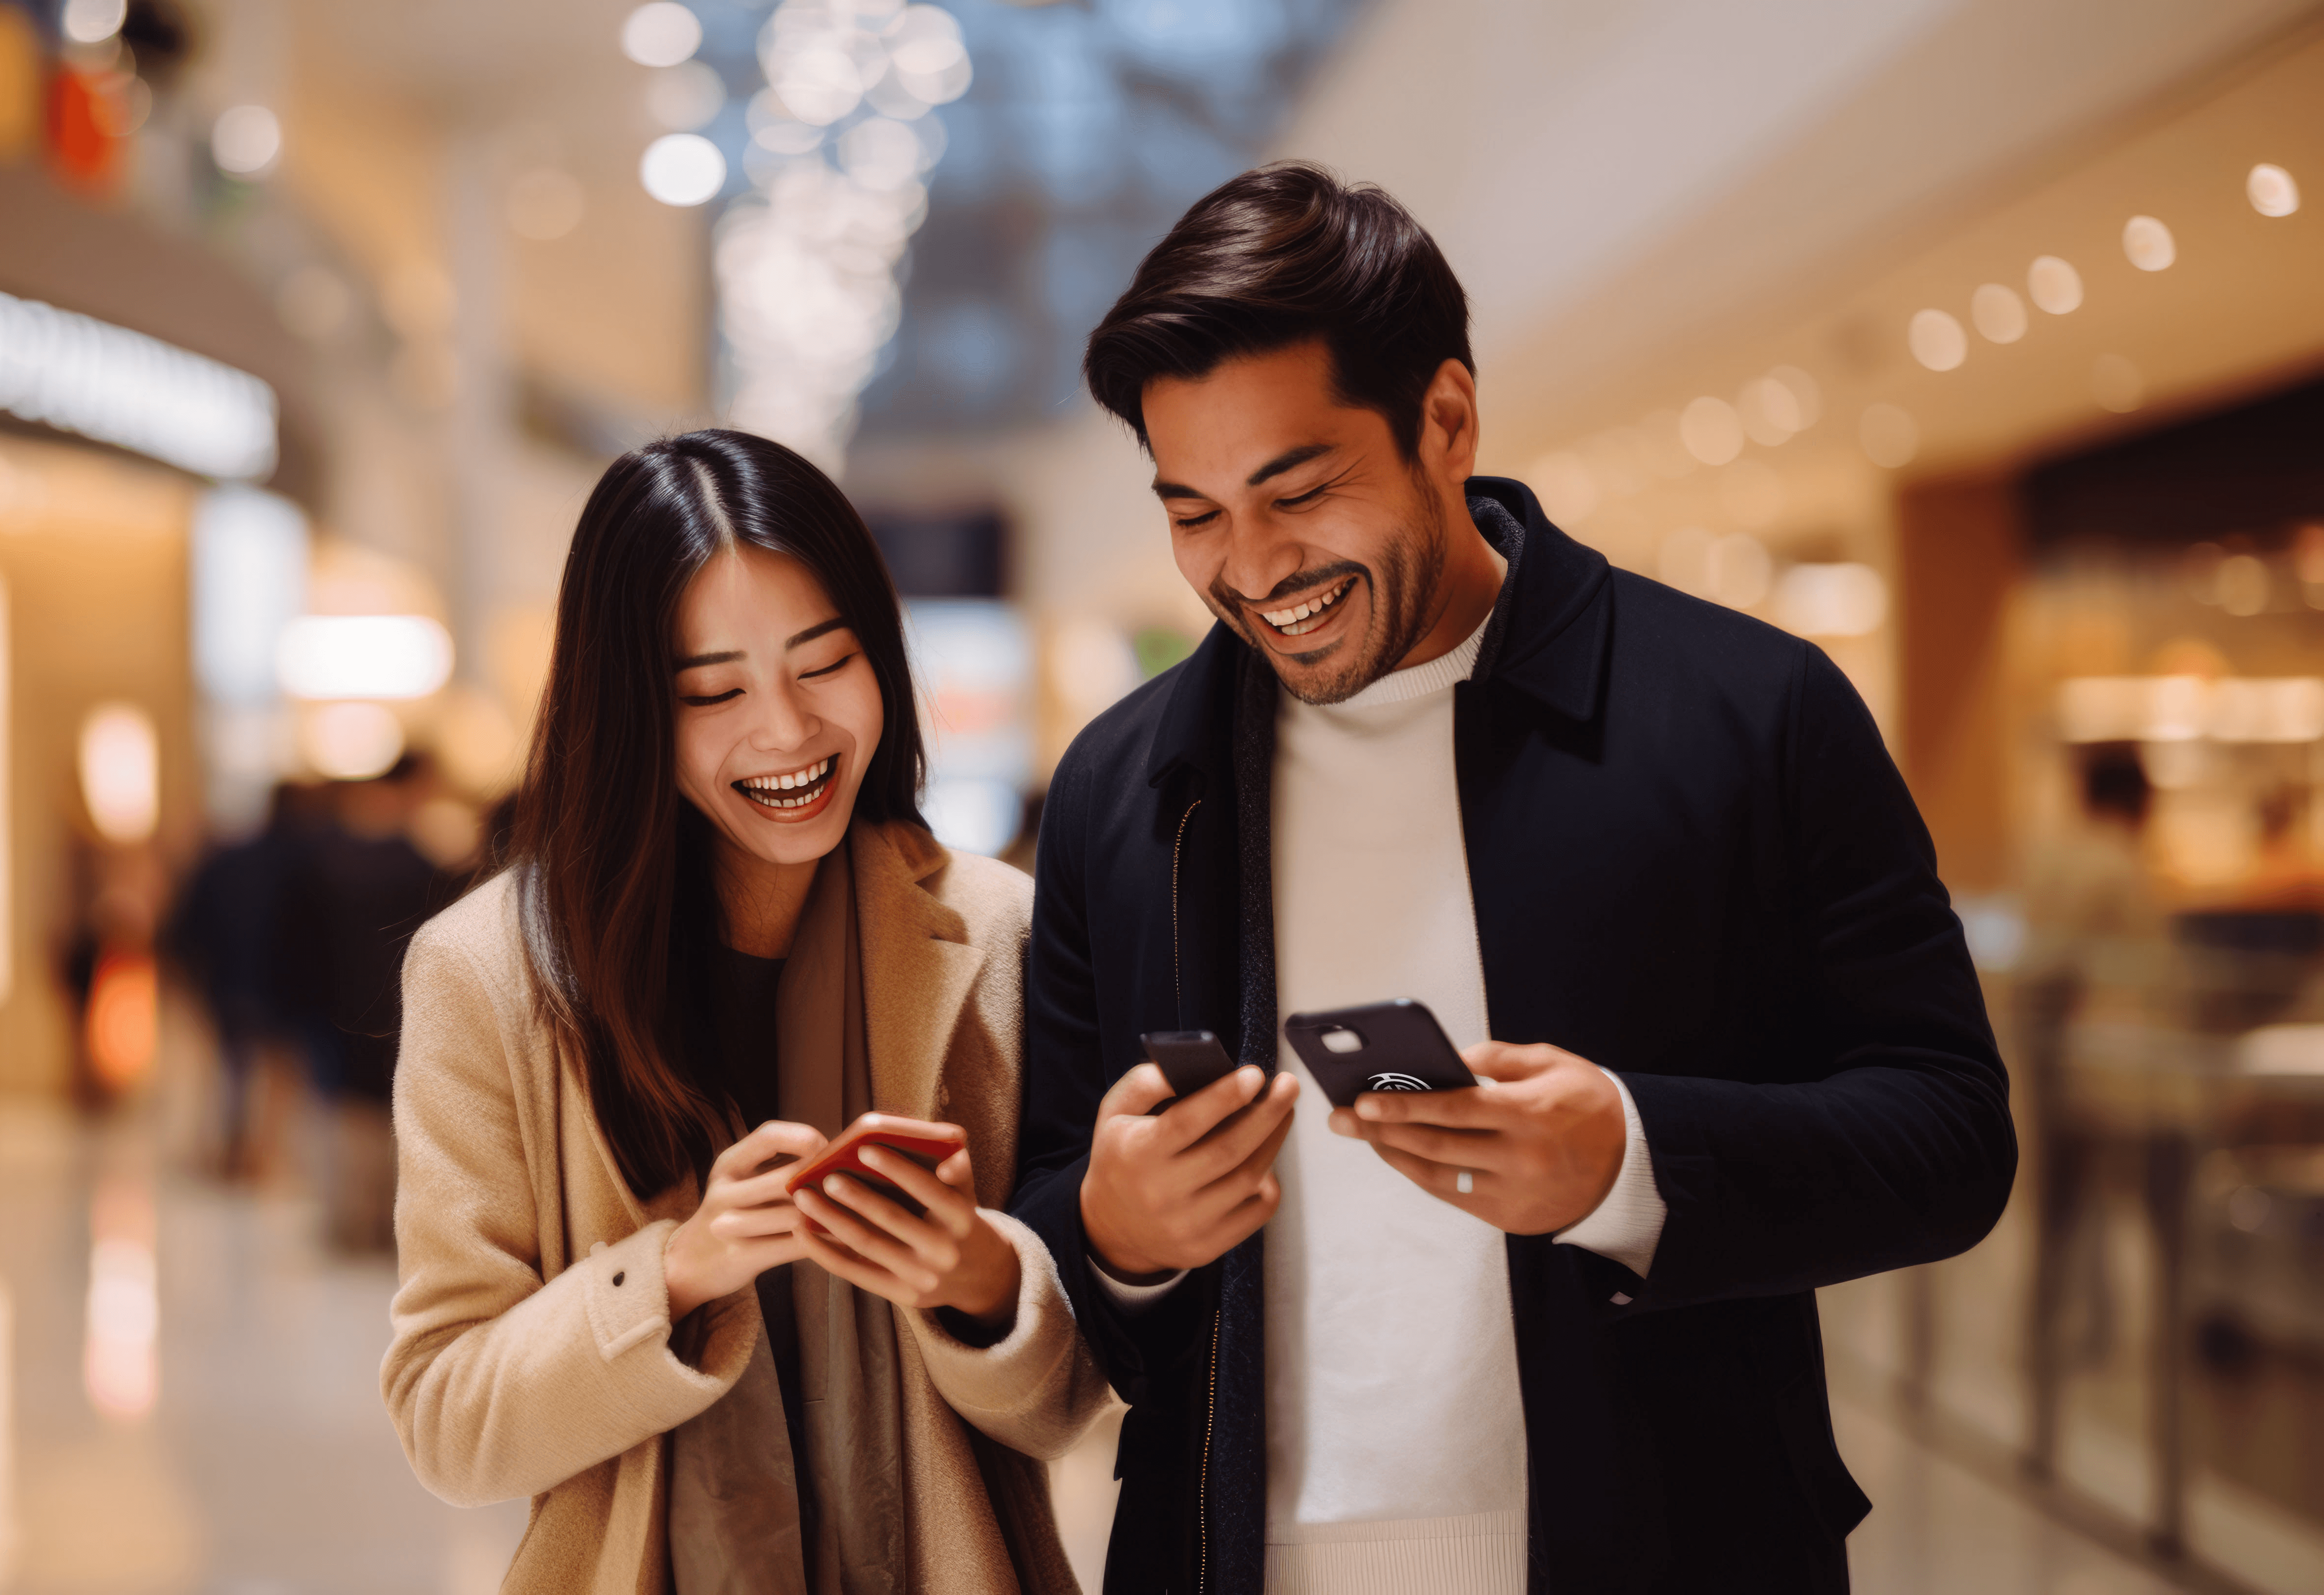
x=949 y=1256
x=745 y=1225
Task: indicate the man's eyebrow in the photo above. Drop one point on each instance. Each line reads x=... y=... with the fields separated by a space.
x=834 y=623
x=695 y=661
x=1288 y=460
x=1284 y=461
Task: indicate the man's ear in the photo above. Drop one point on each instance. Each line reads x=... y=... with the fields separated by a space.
x=1448 y=425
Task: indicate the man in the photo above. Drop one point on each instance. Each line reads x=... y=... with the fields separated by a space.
x=1645 y=859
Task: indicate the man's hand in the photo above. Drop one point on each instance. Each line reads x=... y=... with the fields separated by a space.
x=1541 y=1139
x=1181 y=1187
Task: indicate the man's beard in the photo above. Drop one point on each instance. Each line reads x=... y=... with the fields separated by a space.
x=1404 y=588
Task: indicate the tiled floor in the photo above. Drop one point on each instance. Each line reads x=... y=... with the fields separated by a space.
x=207 y=1418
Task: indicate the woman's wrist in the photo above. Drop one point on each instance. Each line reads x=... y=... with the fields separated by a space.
x=1002 y=1278
x=677 y=1279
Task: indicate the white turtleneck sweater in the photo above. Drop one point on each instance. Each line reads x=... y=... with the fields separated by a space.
x=1396 y=1432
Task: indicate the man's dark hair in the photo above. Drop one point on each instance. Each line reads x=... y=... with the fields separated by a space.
x=1278 y=256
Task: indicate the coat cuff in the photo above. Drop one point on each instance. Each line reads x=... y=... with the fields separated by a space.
x=997 y=1384
x=1627 y=1226
x=625 y=1296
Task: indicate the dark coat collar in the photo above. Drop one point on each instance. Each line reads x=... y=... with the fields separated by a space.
x=1550 y=627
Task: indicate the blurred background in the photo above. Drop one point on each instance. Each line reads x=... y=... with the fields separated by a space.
x=1981 y=341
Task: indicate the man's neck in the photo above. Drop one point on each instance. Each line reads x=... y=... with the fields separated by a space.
x=1467 y=589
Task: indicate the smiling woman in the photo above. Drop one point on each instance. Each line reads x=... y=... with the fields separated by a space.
x=724 y=912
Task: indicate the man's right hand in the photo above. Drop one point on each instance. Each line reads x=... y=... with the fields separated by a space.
x=1181 y=1187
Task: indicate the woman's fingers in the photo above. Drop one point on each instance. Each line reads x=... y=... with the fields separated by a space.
x=947 y=1202
x=840 y=1263
x=777 y=1137
x=745 y=1224
x=866 y=1239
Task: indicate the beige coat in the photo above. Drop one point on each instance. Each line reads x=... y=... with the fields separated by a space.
x=532 y=1353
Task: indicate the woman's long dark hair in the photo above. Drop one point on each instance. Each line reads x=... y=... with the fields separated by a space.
x=613 y=864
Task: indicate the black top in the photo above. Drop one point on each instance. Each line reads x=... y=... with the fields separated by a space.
x=1693 y=863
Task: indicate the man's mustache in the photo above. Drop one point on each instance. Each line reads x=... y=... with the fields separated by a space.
x=1290 y=588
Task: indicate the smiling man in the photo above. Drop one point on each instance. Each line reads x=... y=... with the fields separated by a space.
x=1647 y=861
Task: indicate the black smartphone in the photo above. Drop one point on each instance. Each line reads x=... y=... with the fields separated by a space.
x=1376 y=1046
x=1189 y=1060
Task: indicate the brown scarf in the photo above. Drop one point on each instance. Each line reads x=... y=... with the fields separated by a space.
x=733 y=1493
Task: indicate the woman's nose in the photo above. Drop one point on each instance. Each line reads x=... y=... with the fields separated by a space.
x=782 y=723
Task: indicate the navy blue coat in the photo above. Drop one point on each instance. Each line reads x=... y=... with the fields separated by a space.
x=1693 y=862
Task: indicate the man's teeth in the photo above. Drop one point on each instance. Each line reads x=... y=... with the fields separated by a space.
x=763 y=789
x=1291 y=621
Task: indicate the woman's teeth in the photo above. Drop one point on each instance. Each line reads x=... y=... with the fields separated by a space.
x=795 y=790
x=1302 y=618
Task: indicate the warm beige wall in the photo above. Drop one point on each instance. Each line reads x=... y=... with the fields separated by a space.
x=93 y=552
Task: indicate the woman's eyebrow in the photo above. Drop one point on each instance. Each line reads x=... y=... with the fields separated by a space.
x=695 y=661
x=814 y=630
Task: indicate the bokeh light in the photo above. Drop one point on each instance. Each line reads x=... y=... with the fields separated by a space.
x=1711 y=430
x=92 y=21
x=686 y=97
x=661 y=34
x=1937 y=340
x=2053 y=285
x=2147 y=243
x=364 y=656
x=682 y=170
x=350 y=742
x=120 y=773
x=2000 y=314
x=2272 y=190
x=246 y=141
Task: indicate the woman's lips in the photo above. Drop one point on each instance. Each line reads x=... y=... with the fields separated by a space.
x=792 y=795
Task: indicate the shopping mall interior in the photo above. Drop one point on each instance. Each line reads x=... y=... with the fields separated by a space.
x=1979 y=342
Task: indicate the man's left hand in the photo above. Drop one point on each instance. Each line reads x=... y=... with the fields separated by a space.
x=1541 y=1138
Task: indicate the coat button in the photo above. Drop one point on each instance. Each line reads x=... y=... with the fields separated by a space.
x=619 y=1278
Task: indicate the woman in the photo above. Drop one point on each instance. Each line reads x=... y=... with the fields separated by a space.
x=724 y=933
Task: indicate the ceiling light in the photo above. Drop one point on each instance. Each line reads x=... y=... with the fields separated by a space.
x=1937 y=340
x=682 y=169
x=351 y=741
x=79 y=374
x=2272 y=190
x=661 y=35
x=2053 y=285
x=363 y=656
x=1998 y=312
x=2148 y=244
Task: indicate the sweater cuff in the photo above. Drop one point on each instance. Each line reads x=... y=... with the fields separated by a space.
x=1132 y=1300
x=1627 y=1226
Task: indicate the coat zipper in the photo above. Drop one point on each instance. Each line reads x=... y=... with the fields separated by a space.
x=1178 y=846
x=1211 y=1408
x=1203 y=1494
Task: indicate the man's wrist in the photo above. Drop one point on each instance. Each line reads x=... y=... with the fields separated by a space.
x=1116 y=1262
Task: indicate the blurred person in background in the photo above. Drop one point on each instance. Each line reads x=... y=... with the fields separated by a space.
x=2096 y=949
x=1558 y=1329
x=725 y=933
x=357 y=888
x=226 y=933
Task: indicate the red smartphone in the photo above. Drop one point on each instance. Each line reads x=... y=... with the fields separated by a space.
x=924 y=1143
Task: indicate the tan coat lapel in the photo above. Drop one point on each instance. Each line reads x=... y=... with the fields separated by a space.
x=918 y=967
